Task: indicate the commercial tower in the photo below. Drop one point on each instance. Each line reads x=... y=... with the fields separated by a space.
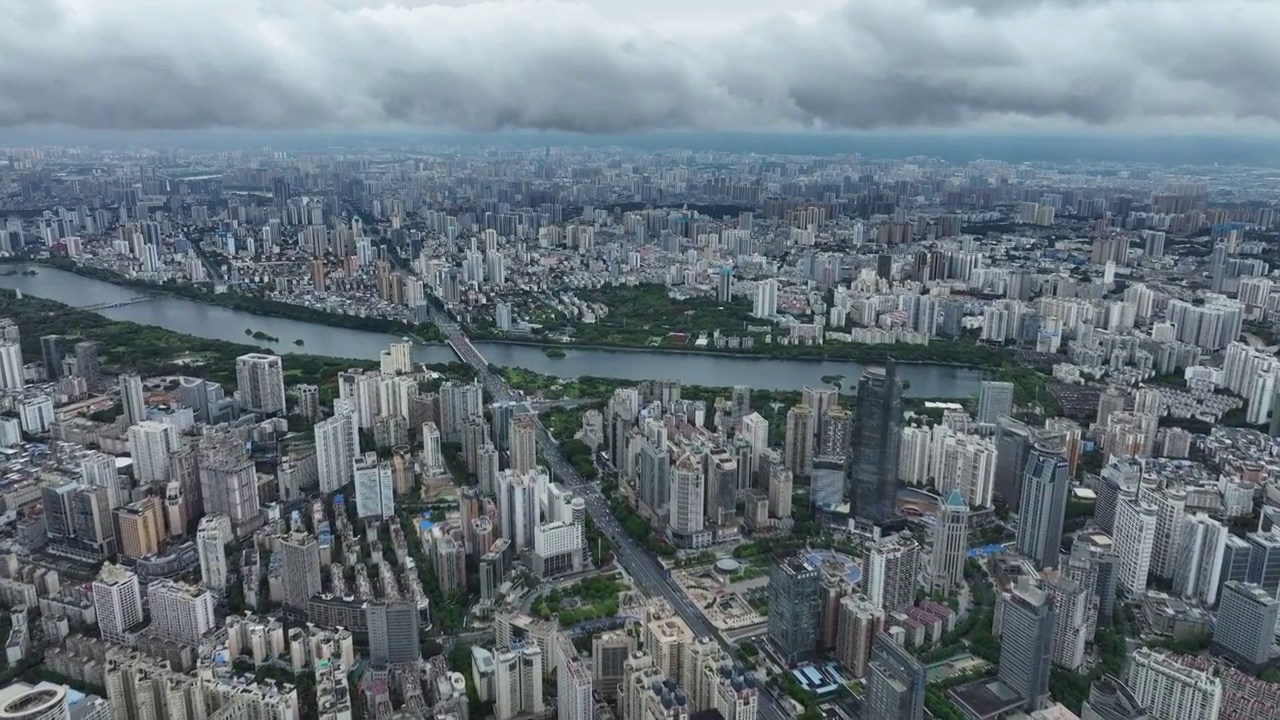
x=895 y=682
x=393 y=633
x=132 y=399
x=794 y=605
x=373 y=481
x=260 y=379
x=300 y=575
x=994 y=400
x=1046 y=487
x=876 y=437
x=1245 y=630
x=950 y=543
x=1026 y=642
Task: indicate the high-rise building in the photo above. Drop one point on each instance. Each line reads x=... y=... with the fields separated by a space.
x=179 y=612
x=432 y=455
x=798 y=450
x=895 y=682
x=117 y=601
x=141 y=527
x=150 y=446
x=950 y=543
x=524 y=443
x=876 y=440
x=819 y=400
x=212 y=537
x=88 y=366
x=859 y=621
x=300 y=572
x=374 y=492
x=11 y=377
x=517 y=681
x=687 y=498
x=609 y=653
x=1026 y=642
x=1014 y=440
x=1109 y=699
x=1171 y=691
x=1202 y=544
x=1046 y=487
x=518 y=508
x=337 y=446
x=573 y=684
x=995 y=399
x=131 y=397
x=393 y=633
x=889 y=577
x=766 y=300
x=53 y=349
x=794 y=605
x=260 y=380
x=99 y=470
x=1135 y=534
x=1245 y=630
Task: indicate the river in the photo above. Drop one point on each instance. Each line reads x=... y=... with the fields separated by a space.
x=219 y=323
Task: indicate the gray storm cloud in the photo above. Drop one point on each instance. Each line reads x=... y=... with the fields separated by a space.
x=557 y=65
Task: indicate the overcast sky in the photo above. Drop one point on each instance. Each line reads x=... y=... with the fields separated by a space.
x=625 y=65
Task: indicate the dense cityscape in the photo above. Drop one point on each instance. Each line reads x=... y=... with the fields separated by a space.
x=609 y=433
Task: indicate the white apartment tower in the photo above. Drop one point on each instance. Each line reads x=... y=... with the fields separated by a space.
x=117 y=600
x=179 y=612
x=1135 y=532
x=260 y=380
x=150 y=445
x=337 y=443
x=212 y=537
x=1170 y=691
x=374 y=487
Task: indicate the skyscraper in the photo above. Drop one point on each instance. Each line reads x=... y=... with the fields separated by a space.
x=859 y=622
x=1046 y=488
x=876 y=439
x=88 y=366
x=150 y=446
x=212 y=537
x=573 y=683
x=798 y=450
x=994 y=400
x=131 y=397
x=523 y=443
x=794 y=604
x=53 y=349
x=895 y=682
x=179 y=612
x=393 y=633
x=117 y=600
x=260 y=379
x=337 y=443
x=889 y=578
x=1026 y=642
x=1013 y=444
x=1246 y=624
x=950 y=543
x=373 y=482
x=300 y=574
x=11 y=377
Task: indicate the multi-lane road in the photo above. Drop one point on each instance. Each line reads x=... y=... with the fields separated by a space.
x=652 y=579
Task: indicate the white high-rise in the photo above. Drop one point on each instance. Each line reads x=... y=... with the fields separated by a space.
x=98 y=469
x=374 y=487
x=260 y=379
x=180 y=612
x=150 y=445
x=517 y=682
x=1135 y=532
x=1170 y=691
x=766 y=304
x=573 y=685
x=11 y=366
x=1202 y=547
x=687 y=496
x=132 y=399
x=117 y=600
x=524 y=443
x=337 y=443
x=518 y=507
x=994 y=399
x=432 y=456
x=755 y=429
x=211 y=546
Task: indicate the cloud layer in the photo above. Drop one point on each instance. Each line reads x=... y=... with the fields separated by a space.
x=623 y=65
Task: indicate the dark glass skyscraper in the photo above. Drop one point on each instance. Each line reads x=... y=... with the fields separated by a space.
x=895 y=682
x=1046 y=487
x=52 y=350
x=794 y=606
x=877 y=434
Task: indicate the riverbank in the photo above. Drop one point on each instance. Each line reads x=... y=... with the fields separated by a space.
x=254 y=305
x=941 y=353
x=150 y=351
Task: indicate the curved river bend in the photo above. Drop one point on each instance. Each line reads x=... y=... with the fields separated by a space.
x=218 y=323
